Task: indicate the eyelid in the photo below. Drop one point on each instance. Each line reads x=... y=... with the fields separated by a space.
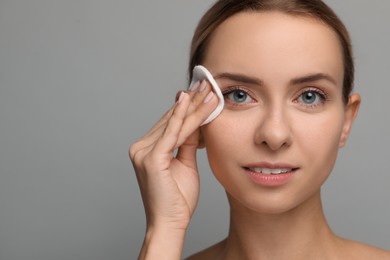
x=323 y=95
x=319 y=91
x=228 y=90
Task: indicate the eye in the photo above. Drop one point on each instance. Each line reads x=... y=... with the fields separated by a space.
x=311 y=98
x=237 y=96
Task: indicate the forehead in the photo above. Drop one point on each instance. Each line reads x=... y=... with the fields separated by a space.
x=274 y=44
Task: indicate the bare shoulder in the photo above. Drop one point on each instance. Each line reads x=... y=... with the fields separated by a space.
x=357 y=250
x=350 y=250
x=209 y=253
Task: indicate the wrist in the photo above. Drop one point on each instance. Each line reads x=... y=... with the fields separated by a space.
x=162 y=243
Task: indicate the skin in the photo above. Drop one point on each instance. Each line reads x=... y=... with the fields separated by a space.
x=274 y=54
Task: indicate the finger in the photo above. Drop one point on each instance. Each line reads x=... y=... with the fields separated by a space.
x=197 y=117
x=146 y=141
x=198 y=102
x=194 y=88
x=201 y=92
x=152 y=135
x=161 y=146
x=178 y=95
x=137 y=156
x=192 y=91
x=167 y=141
x=163 y=120
x=187 y=151
x=197 y=94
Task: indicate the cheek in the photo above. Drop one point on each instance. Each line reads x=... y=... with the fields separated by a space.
x=230 y=139
x=227 y=139
x=315 y=138
x=319 y=140
x=221 y=136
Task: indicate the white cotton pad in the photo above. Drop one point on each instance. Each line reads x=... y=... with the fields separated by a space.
x=201 y=73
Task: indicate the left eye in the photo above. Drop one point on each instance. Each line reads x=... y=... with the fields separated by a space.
x=238 y=96
x=311 y=97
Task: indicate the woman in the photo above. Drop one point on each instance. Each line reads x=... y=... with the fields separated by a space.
x=286 y=72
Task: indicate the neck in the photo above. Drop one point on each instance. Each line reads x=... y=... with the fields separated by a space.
x=300 y=233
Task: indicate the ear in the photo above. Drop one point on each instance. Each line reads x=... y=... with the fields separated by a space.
x=351 y=111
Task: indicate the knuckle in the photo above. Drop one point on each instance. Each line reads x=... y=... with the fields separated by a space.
x=133 y=150
x=137 y=160
x=136 y=152
x=176 y=118
x=147 y=162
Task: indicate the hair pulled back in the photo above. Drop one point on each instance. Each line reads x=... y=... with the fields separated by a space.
x=317 y=9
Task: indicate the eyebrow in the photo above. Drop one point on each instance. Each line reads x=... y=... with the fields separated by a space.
x=255 y=81
x=313 y=78
x=239 y=78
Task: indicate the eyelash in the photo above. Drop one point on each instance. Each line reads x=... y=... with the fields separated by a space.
x=321 y=94
x=230 y=90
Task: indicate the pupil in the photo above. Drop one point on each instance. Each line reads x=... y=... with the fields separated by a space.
x=239 y=96
x=309 y=97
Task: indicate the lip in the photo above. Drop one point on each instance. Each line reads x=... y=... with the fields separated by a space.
x=270 y=180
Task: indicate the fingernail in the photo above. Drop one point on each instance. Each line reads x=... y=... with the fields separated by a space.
x=180 y=97
x=209 y=97
x=202 y=86
x=194 y=86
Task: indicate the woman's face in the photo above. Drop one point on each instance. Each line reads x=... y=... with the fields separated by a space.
x=284 y=120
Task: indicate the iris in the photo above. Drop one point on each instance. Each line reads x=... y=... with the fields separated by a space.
x=310 y=97
x=238 y=96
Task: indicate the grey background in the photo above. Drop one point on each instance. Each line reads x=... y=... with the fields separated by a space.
x=81 y=80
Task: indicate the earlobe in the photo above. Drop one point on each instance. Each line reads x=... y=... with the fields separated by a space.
x=351 y=111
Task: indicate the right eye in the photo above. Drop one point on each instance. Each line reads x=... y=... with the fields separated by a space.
x=238 y=96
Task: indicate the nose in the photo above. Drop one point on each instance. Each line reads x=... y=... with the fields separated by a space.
x=274 y=129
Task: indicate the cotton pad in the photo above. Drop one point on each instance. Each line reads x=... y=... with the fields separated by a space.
x=200 y=73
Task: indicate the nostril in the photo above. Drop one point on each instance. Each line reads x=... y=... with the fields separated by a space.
x=274 y=130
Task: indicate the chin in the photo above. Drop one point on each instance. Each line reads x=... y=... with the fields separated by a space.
x=271 y=206
x=272 y=202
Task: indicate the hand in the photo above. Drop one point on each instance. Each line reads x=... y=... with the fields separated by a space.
x=170 y=184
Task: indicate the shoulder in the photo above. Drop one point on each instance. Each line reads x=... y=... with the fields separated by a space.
x=209 y=253
x=350 y=250
x=357 y=250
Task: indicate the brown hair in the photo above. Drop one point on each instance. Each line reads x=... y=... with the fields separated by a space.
x=223 y=9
